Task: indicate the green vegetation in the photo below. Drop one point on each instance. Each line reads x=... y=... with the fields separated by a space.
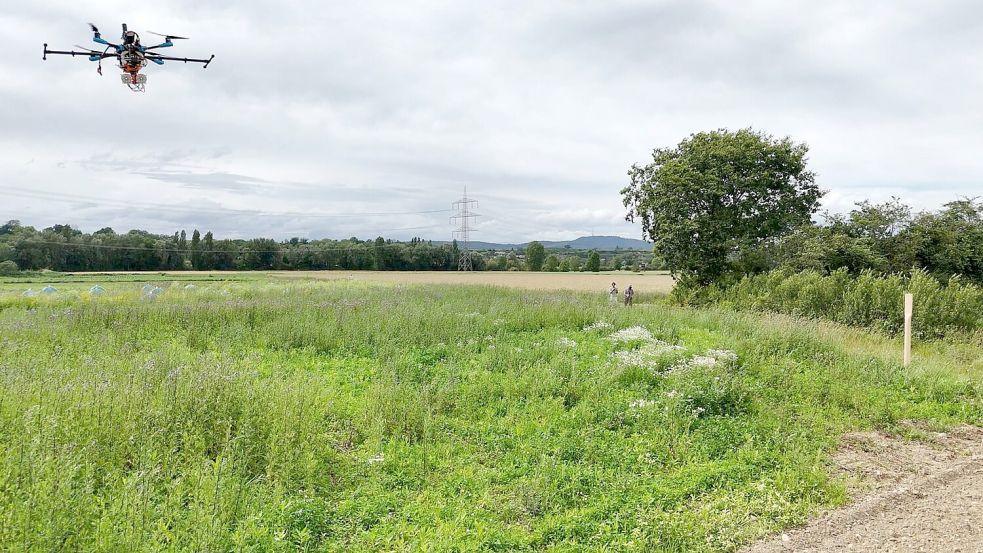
x=552 y=264
x=262 y=416
x=718 y=197
x=65 y=249
x=723 y=205
x=535 y=256
x=593 y=262
x=887 y=238
x=950 y=310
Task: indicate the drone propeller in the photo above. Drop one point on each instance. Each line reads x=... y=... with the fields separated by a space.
x=169 y=37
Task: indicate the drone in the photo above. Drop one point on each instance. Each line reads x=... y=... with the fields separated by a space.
x=131 y=55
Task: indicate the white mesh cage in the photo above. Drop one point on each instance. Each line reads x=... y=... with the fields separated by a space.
x=127 y=79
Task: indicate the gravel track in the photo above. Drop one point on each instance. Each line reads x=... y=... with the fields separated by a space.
x=924 y=495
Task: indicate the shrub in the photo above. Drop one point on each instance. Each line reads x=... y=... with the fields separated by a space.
x=870 y=300
x=8 y=268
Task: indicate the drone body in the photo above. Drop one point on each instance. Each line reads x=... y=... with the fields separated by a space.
x=130 y=53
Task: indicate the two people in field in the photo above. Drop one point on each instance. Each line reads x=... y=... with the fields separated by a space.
x=613 y=294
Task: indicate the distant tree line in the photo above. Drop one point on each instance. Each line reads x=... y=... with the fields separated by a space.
x=67 y=249
x=63 y=248
x=536 y=257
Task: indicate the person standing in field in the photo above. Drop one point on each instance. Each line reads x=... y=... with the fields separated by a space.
x=629 y=296
x=613 y=293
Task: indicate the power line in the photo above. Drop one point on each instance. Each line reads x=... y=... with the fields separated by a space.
x=108 y=202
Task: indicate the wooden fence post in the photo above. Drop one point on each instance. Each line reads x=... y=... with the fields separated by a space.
x=908 y=302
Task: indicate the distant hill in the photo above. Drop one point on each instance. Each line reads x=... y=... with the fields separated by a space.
x=605 y=243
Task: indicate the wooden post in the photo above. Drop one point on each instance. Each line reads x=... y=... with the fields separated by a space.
x=908 y=302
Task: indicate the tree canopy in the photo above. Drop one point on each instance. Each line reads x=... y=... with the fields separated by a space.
x=889 y=238
x=709 y=203
x=593 y=262
x=535 y=256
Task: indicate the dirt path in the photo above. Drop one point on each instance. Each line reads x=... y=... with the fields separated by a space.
x=912 y=496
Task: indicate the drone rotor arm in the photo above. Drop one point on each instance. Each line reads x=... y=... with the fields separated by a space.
x=90 y=50
x=99 y=40
x=89 y=53
x=185 y=60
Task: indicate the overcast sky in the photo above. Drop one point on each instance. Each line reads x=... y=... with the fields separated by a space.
x=315 y=108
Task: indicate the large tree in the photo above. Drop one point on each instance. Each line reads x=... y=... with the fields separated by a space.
x=552 y=264
x=718 y=195
x=535 y=256
x=196 y=259
x=593 y=262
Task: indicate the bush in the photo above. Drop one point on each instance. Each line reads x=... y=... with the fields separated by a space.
x=870 y=300
x=8 y=268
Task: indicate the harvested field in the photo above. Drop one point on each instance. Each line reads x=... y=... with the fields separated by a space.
x=651 y=282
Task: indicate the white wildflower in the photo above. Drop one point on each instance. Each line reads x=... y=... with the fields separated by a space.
x=722 y=354
x=676 y=368
x=631 y=358
x=376 y=459
x=672 y=394
x=599 y=325
x=658 y=347
x=698 y=411
x=702 y=361
x=641 y=403
x=647 y=356
x=565 y=342
x=631 y=333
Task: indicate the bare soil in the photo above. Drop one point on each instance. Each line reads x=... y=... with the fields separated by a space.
x=645 y=283
x=924 y=495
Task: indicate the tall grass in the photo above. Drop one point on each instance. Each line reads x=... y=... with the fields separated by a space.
x=951 y=309
x=337 y=416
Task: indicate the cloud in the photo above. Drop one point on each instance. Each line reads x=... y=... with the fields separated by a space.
x=538 y=108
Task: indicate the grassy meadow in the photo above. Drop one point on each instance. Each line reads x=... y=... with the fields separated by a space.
x=272 y=415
